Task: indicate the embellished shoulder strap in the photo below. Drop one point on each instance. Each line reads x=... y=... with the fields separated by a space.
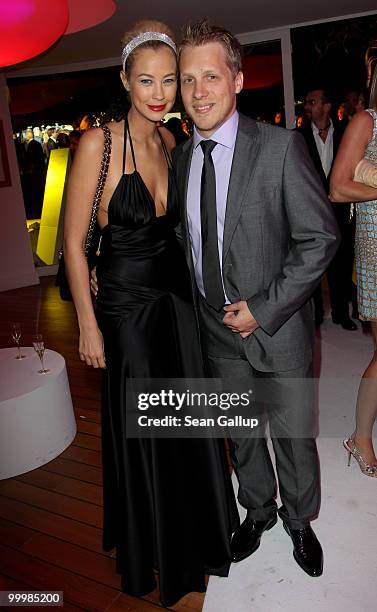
x=127 y=132
x=106 y=154
x=373 y=114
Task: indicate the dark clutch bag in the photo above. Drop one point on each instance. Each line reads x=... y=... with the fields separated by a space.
x=93 y=237
x=62 y=281
x=91 y=256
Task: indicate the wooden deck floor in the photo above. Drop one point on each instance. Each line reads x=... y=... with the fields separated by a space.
x=50 y=518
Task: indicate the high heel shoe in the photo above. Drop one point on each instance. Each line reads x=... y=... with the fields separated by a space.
x=366 y=468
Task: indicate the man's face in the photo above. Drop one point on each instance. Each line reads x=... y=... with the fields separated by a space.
x=208 y=86
x=315 y=108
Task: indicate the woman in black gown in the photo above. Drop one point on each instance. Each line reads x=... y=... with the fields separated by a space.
x=168 y=503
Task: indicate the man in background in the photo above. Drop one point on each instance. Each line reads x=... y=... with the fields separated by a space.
x=34 y=176
x=323 y=137
x=51 y=141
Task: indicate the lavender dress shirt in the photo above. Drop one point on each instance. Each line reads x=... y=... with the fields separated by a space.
x=222 y=156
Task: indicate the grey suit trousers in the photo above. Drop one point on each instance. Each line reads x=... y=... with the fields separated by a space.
x=291 y=418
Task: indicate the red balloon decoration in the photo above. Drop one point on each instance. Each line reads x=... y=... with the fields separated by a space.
x=82 y=16
x=29 y=27
x=262 y=71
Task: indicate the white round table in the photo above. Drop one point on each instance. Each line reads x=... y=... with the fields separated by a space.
x=37 y=421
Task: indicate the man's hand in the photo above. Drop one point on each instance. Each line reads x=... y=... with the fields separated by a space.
x=239 y=319
x=93 y=282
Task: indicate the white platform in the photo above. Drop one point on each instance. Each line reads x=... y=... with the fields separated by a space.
x=270 y=580
x=37 y=422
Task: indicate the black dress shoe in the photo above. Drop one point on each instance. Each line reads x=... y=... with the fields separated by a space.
x=306 y=550
x=345 y=322
x=246 y=538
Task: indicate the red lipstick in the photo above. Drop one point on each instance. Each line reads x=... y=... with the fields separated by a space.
x=157 y=108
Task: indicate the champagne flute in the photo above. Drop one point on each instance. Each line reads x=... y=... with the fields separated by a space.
x=16 y=337
x=39 y=347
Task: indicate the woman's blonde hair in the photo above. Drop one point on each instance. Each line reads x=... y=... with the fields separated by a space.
x=371 y=65
x=147 y=25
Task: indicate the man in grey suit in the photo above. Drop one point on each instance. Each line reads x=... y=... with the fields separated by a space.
x=259 y=233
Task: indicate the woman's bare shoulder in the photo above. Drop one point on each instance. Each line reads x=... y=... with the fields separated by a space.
x=361 y=122
x=116 y=127
x=95 y=135
x=358 y=132
x=92 y=140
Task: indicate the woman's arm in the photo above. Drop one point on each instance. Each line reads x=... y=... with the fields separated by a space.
x=81 y=189
x=352 y=148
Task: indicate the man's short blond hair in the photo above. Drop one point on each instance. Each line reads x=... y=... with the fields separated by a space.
x=202 y=33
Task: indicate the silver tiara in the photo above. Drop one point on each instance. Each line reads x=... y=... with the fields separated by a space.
x=145 y=37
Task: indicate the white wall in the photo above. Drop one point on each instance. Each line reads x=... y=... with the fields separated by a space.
x=16 y=258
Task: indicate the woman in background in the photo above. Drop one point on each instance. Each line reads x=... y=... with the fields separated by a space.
x=360 y=142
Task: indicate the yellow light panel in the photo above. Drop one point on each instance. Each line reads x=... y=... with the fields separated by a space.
x=52 y=205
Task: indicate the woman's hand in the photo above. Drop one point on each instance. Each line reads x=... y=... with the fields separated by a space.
x=91 y=348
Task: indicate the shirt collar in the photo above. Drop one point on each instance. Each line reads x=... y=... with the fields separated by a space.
x=225 y=135
x=316 y=130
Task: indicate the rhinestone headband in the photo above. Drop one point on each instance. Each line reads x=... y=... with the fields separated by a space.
x=145 y=37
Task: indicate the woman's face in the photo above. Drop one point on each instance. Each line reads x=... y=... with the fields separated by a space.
x=152 y=82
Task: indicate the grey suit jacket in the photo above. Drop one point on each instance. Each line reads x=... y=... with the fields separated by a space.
x=279 y=237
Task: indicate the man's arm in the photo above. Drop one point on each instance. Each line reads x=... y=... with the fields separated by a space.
x=314 y=240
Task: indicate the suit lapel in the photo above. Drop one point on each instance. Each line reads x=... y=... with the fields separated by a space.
x=312 y=146
x=183 y=171
x=314 y=151
x=243 y=167
x=337 y=137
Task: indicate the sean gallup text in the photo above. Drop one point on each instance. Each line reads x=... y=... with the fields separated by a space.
x=189 y=421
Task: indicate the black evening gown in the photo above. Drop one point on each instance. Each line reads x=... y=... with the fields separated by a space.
x=169 y=505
